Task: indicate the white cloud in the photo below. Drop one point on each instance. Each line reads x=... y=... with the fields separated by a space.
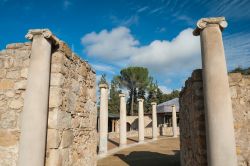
x=113 y=45
x=142 y=9
x=164 y=89
x=127 y=21
x=103 y=68
x=119 y=46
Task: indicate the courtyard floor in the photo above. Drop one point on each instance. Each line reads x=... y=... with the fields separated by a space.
x=165 y=151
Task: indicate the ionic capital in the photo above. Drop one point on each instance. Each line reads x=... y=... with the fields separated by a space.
x=103 y=86
x=140 y=100
x=153 y=103
x=121 y=95
x=46 y=33
x=204 y=22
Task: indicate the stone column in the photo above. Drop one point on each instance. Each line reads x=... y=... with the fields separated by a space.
x=174 y=121
x=35 y=111
x=220 y=137
x=103 y=142
x=123 y=121
x=141 y=120
x=154 y=121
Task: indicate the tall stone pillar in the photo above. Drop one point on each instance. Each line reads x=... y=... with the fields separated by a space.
x=141 y=120
x=174 y=121
x=103 y=142
x=35 y=111
x=218 y=108
x=154 y=121
x=123 y=121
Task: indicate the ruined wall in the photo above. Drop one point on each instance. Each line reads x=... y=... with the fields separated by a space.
x=71 y=134
x=192 y=119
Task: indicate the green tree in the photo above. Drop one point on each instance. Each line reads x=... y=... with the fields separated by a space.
x=103 y=80
x=114 y=99
x=134 y=78
x=244 y=71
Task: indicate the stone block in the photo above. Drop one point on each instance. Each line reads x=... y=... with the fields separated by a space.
x=6 y=84
x=16 y=104
x=53 y=138
x=3 y=73
x=55 y=97
x=13 y=74
x=53 y=158
x=8 y=138
x=234 y=78
x=24 y=73
x=8 y=120
x=21 y=85
x=10 y=93
x=233 y=91
x=58 y=57
x=59 y=119
x=56 y=79
x=67 y=138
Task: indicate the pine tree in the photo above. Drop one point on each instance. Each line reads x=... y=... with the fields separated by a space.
x=114 y=100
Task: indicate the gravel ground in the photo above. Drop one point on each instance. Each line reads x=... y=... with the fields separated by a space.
x=164 y=152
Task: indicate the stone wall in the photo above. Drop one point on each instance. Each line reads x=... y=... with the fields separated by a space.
x=192 y=119
x=71 y=133
x=163 y=130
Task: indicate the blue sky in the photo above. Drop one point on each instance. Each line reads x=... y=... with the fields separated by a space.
x=113 y=34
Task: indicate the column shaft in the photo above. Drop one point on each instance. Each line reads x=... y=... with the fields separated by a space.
x=103 y=142
x=35 y=111
x=123 y=121
x=218 y=108
x=141 y=120
x=154 y=121
x=174 y=121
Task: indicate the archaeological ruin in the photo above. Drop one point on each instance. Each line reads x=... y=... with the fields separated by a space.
x=48 y=107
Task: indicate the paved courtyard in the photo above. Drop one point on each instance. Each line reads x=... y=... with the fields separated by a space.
x=163 y=152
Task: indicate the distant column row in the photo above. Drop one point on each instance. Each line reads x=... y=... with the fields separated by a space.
x=103 y=122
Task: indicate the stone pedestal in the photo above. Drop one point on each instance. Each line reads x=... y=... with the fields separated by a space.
x=174 y=121
x=218 y=108
x=154 y=121
x=103 y=130
x=123 y=121
x=35 y=111
x=141 y=120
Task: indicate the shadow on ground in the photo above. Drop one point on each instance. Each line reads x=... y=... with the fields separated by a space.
x=146 y=158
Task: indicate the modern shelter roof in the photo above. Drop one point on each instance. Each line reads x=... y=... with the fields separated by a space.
x=167 y=106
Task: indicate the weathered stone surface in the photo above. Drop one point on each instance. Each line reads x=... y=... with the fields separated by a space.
x=3 y=73
x=71 y=134
x=21 y=85
x=8 y=120
x=12 y=74
x=56 y=79
x=192 y=123
x=8 y=138
x=6 y=84
x=55 y=97
x=53 y=138
x=16 y=104
x=67 y=138
x=24 y=73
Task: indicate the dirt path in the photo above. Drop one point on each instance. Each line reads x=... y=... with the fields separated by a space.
x=164 y=152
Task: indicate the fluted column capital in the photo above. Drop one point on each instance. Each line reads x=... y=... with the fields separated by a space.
x=205 y=22
x=46 y=33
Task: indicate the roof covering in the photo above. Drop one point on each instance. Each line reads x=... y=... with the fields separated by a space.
x=167 y=106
